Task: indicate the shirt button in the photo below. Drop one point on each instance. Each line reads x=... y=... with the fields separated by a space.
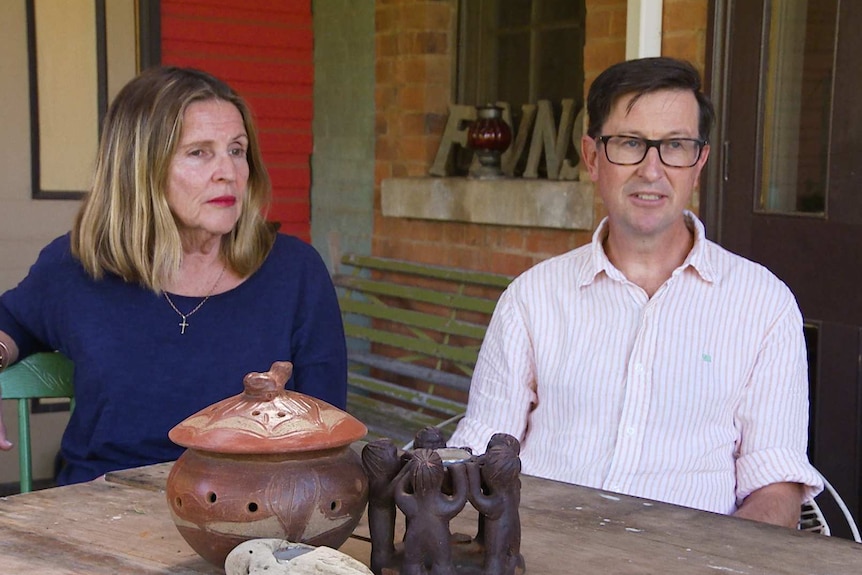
x=639 y=368
x=630 y=431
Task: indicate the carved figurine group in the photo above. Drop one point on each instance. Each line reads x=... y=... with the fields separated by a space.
x=430 y=485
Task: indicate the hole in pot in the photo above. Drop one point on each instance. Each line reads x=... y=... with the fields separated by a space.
x=335 y=506
x=255 y=413
x=211 y=497
x=178 y=502
x=281 y=414
x=252 y=507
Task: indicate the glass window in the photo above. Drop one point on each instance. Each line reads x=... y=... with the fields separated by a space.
x=520 y=52
x=796 y=106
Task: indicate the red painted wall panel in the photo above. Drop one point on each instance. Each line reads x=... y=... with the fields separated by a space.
x=264 y=49
x=241 y=33
x=282 y=11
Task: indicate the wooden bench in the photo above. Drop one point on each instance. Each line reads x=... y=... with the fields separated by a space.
x=413 y=333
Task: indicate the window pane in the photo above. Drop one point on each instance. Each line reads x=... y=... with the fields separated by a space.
x=67 y=82
x=551 y=11
x=508 y=53
x=521 y=52
x=797 y=106
x=513 y=62
x=514 y=12
x=560 y=65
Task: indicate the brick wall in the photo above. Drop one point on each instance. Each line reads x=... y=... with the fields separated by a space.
x=684 y=29
x=264 y=51
x=415 y=42
x=605 y=37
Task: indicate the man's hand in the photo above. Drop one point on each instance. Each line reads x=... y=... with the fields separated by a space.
x=778 y=504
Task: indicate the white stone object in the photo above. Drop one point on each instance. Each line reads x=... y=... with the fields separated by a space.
x=277 y=557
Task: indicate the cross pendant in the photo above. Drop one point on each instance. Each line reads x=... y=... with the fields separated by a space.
x=183 y=325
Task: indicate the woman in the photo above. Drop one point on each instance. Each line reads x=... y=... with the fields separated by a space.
x=171 y=286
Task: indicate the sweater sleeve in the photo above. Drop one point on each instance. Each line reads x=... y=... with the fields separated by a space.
x=28 y=311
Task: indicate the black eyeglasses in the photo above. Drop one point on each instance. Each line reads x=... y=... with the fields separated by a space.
x=673 y=152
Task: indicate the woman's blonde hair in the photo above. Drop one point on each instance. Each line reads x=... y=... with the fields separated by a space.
x=125 y=226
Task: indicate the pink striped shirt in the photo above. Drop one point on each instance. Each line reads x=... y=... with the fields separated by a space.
x=697 y=396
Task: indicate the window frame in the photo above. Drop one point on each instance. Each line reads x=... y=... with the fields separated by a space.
x=148 y=41
x=477 y=46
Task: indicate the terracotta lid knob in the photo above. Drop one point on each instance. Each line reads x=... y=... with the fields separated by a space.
x=268 y=419
x=265 y=386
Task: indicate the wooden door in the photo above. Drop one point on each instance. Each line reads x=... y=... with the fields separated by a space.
x=786 y=192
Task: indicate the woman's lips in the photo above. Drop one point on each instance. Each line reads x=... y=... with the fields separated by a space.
x=223 y=201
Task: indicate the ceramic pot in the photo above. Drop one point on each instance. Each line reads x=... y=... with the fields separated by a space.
x=267 y=463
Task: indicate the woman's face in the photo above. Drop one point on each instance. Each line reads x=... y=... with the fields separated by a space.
x=208 y=174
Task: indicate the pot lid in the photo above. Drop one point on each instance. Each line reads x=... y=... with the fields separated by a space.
x=267 y=418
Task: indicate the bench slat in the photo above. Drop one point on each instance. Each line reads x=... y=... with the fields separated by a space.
x=387 y=420
x=414 y=293
x=415 y=397
x=412 y=318
x=399 y=367
x=429 y=271
x=430 y=348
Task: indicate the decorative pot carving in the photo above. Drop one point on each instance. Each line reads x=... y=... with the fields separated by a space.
x=267 y=463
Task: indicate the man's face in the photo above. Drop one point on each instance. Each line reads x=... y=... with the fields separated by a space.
x=648 y=198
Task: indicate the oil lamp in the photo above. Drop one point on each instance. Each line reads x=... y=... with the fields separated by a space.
x=488 y=136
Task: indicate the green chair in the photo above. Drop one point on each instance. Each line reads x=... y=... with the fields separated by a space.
x=41 y=375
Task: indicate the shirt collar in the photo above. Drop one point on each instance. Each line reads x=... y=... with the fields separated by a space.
x=697 y=258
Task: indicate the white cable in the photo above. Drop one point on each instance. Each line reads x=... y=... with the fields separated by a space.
x=847 y=515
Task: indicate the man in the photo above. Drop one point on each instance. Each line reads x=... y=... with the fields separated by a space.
x=651 y=362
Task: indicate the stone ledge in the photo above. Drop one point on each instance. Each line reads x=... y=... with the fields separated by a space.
x=507 y=201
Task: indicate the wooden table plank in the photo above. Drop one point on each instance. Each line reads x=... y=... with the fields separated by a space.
x=628 y=535
x=118 y=526
x=95 y=527
x=564 y=525
x=123 y=525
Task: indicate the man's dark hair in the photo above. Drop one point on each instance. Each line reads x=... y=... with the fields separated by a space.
x=640 y=77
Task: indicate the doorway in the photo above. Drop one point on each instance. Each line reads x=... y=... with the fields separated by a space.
x=784 y=190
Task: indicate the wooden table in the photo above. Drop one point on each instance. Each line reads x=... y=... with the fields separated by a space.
x=123 y=526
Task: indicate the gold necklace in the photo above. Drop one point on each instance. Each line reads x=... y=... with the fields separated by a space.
x=184 y=324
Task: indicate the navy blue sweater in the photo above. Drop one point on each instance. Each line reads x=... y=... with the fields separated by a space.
x=136 y=375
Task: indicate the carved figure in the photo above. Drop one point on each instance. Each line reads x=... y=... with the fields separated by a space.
x=495 y=491
x=382 y=464
x=419 y=495
x=429 y=438
x=515 y=445
x=505 y=439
